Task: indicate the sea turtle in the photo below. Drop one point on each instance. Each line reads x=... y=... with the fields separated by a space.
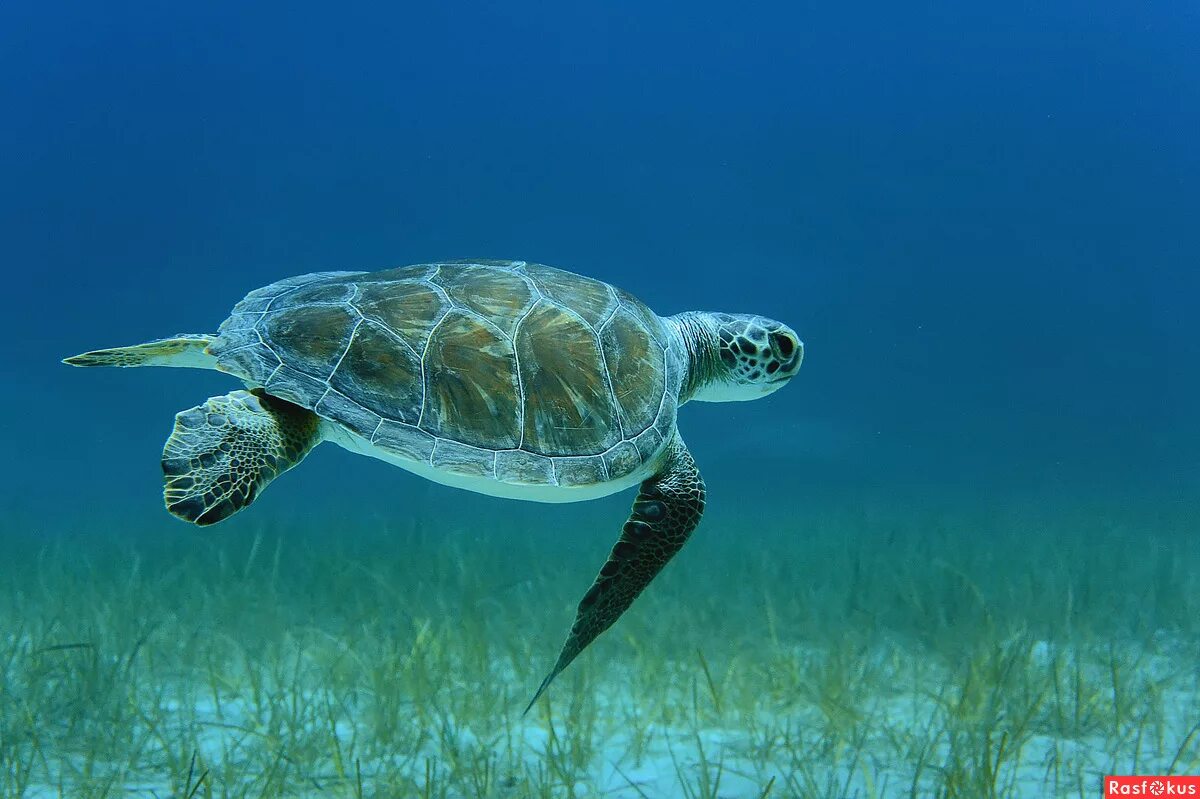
x=503 y=377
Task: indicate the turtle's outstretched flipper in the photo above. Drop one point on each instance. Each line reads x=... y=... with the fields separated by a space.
x=667 y=509
x=186 y=349
x=223 y=453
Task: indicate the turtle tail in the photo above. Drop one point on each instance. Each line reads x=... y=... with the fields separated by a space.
x=186 y=349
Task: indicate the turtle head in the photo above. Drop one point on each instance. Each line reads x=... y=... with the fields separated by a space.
x=737 y=357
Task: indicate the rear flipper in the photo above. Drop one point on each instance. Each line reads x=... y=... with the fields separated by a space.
x=186 y=349
x=666 y=510
x=223 y=453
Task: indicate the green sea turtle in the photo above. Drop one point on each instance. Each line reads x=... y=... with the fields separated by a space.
x=503 y=377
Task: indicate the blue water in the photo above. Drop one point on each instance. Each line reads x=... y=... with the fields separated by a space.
x=980 y=217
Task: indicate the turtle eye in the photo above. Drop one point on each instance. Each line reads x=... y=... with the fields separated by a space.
x=783 y=344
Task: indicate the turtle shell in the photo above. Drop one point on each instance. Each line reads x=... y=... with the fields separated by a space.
x=501 y=369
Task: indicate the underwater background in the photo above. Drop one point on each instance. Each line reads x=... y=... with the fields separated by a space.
x=957 y=556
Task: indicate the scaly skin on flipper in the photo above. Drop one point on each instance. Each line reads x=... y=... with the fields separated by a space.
x=223 y=453
x=668 y=507
x=185 y=349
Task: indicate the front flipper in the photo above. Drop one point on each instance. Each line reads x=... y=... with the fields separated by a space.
x=222 y=453
x=666 y=510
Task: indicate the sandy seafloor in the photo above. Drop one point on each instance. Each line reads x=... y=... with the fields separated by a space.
x=671 y=765
x=827 y=651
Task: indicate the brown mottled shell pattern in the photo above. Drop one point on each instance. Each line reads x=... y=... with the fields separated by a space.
x=508 y=370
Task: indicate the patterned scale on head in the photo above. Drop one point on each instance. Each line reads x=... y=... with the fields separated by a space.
x=754 y=346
